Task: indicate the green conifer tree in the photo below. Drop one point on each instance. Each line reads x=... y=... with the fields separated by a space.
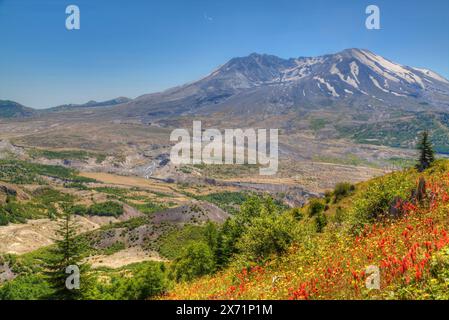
x=68 y=251
x=426 y=153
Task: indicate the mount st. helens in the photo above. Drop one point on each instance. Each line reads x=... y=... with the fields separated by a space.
x=270 y=85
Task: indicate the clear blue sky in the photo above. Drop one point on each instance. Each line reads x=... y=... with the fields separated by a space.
x=128 y=48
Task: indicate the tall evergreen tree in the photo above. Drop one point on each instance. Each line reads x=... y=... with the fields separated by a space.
x=68 y=251
x=426 y=153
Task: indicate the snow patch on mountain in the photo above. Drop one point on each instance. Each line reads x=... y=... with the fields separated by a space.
x=348 y=79
x=388 y=69
x=432 y=75
x=376 y=83
x=355 y=72
x=398 y=94
x=330 y=88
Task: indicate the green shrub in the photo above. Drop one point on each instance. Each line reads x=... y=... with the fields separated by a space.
x=267 y=235
x=342 y=190
x=76 y=185
x=173 y=243
x=296 y=213
x=378 y=197
x=255 y=207
x=196 y=260
x=228 y=201
x=115 y=247
x=108 y=208
x=48 y=196
x=320 y=222
x=211 y=235
x=227 y=238
x=16 y=212
x=147 y=207
x=240 y=225
x=315 y=206
x=328 y=196
x=340 y=215
x=145 y=282
x=4 y=221
x=78 y=209
x=21 y=172
x=27 y=287
x=120 y=192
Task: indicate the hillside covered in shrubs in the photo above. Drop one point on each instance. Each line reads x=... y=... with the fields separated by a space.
x=396 y=224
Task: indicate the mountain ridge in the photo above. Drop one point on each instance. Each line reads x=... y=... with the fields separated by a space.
x=355 y=77
x=12 y=109
x=90 y=104
x=24 y=111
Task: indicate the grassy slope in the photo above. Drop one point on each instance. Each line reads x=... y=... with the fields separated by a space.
x=412 y=253
x=402 y=131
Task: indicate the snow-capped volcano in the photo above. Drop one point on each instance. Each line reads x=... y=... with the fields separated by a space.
x=269 y=84
x=352 y=71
